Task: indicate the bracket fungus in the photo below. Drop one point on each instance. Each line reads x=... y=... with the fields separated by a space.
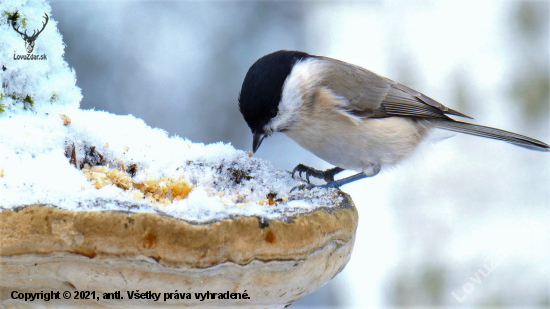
x=243 y=261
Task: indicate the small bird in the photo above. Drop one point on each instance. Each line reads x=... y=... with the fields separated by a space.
x=346 y=115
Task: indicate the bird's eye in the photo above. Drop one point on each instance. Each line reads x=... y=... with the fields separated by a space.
x=272 y=113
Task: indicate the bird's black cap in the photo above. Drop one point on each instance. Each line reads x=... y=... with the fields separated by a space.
x=263 y=85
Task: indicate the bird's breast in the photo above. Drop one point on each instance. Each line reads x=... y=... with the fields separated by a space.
x=357 y=144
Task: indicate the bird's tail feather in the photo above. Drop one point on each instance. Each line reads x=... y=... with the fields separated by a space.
x=488 y=132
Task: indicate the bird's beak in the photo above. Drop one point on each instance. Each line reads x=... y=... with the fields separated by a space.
x=257 y=141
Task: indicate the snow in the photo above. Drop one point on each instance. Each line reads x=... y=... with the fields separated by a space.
x=38 y=166
x=49 y=82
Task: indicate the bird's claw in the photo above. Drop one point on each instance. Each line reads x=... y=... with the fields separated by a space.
x=327 y=175
x=309 y=186
x=300 y=168
x=303 y=186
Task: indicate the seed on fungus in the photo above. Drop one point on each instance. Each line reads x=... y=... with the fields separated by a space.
x=270 y=198
x=66 y=119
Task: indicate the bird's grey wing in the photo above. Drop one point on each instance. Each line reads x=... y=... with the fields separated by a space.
x=368 y=95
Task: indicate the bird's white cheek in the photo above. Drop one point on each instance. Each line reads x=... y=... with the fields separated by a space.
x=298 y=85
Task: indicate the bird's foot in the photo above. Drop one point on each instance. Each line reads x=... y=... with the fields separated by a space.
x=327 y=175
x=336 y=183
x=309 y=186
x=302 y=186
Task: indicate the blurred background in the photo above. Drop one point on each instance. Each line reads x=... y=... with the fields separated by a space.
x=464 y=222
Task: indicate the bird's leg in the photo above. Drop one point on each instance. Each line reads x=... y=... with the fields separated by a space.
x=375 y=169
x=345 y=181
x=327 y=175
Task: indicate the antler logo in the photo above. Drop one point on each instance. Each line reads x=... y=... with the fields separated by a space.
x=29 y=40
